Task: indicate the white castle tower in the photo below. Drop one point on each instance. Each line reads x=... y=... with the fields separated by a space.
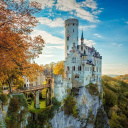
x=71 y=34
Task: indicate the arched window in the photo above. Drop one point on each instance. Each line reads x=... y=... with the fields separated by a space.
x=68 y=68
x=73 y=68
x=80 y=68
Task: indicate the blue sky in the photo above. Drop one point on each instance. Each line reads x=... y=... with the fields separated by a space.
x=105 y=26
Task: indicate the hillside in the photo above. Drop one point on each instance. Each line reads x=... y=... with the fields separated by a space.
x=115 y=100
x=123 y=78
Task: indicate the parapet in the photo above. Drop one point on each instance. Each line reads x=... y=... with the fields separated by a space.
x=57 y=78
x=71 y=21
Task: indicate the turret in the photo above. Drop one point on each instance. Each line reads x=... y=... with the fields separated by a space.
x=82 y=38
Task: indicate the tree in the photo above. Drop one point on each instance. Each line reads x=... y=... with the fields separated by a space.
x=17 y=48
x=59 y=68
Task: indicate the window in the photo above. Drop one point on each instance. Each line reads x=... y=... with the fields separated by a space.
x=67 y=47
x=77 y=46
x=73 y=24
x=68 y=68
x=73 y=68
x=68 y=24
x=68 y=31
x=82 y=48
x=73 y=30
x=80 y=68
x=97 y=69
x=93 y=68
x=67 y=38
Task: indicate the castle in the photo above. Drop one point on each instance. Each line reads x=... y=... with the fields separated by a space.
x=82 y=65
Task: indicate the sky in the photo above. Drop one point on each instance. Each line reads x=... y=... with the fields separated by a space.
x=104 y=24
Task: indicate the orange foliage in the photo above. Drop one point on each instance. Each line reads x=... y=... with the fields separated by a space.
x=17 y=48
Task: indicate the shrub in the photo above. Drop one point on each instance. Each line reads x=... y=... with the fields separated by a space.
x=14 y=105
x=70 y=106
x=3 y=98
x=93 y=89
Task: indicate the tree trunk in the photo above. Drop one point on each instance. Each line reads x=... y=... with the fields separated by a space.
x=10 y=84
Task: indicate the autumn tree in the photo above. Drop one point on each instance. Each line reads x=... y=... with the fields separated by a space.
x=17 y=48
x=59 y=68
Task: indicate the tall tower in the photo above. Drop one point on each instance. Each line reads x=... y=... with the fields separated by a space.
x=71 y=34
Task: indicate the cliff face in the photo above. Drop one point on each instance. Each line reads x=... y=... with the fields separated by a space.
x=87 y=106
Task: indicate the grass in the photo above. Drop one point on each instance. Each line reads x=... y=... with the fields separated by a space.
x=33 y=109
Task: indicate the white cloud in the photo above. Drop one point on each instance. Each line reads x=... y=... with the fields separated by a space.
x=86 y=27
x=52 y=23
x=89 y=43
x=114 y=43
x=72 y=5
x=58 y=47
x=127 y=22
x=45 y=3
x=98 y=35
x=45 y=56
x=90 y=4
x=120 y=45
x=48 y=38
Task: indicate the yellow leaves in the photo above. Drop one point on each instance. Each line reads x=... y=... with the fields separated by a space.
x=59 y=68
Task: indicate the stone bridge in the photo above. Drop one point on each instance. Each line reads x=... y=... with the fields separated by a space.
x=35 y=90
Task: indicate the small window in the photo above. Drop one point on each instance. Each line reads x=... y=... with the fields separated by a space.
x=68 y=68
x=80 y=68
x=77 y=46
x=73 y=24
x=82 y=48
x=84 y=52
x=67 y=47
x=67 y=38
x=73 y=30
x=73 y=68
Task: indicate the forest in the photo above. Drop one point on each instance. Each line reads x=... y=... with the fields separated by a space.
x=115 y=100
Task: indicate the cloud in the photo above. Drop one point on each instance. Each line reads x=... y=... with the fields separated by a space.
x=45 y=3
x=119 y=45
x=52 y=23
x=72 y=5
x=45 y=56
x=86 y=27
x=57 y=47
x=126 y=22
x=114 y=43
x=90 y=4
x=48 y=38
x=98 y=35
x=89 y=43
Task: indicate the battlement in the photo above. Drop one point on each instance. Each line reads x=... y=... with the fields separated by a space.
x=71 y=21
x=57 y=78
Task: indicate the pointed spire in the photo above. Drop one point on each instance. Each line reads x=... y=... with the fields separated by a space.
x=82 y=37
